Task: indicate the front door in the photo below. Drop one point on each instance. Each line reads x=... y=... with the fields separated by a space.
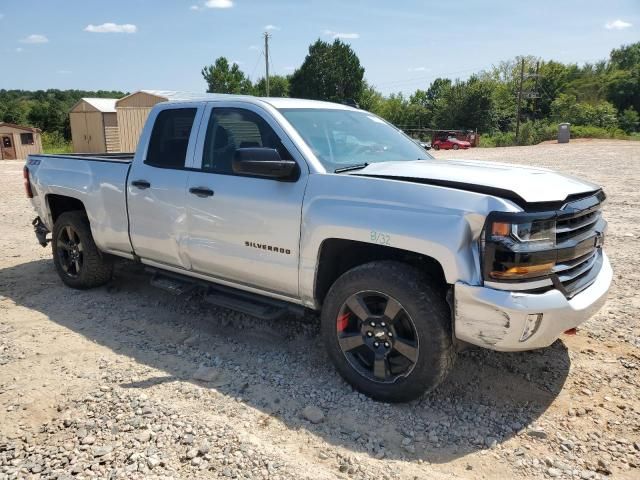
x=8 y=149
x=245 y=230
x=157 y=185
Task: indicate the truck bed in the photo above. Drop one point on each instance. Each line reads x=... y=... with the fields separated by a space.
x=98 y=180
x=96 y=157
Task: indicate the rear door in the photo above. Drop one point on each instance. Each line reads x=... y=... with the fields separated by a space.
x=157 y=184
x=244 y=230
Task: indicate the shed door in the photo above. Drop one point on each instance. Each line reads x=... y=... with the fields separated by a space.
x=79 y=133
x=8 y=148
x=95 y=132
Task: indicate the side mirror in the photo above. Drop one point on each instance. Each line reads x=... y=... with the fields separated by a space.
x=263 y=162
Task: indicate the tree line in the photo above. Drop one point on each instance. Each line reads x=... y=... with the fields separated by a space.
x=47 y=110
x=599 y=99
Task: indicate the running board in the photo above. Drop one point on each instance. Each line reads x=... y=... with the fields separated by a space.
x=248 y=303
x=253 y=304
x=172 y=285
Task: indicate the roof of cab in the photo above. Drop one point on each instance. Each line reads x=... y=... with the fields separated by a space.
x=276 y=102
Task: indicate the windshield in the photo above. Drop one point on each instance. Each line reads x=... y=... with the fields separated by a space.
x=343 y=138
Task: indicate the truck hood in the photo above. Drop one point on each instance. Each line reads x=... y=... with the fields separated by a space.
x=522 y=185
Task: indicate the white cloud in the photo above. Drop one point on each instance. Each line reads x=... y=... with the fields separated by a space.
x=195 y=7
x=35 y=38
x=335 y=35
x=19 y=49
x=254 y=47
x=64 y=72
x=111 y=28
x=271 y=27
x=418 y=69
x=617 y=25
x=218 y=3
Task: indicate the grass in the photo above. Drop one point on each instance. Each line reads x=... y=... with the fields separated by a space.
x=55 y=143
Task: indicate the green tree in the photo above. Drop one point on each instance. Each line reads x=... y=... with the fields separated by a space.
x=566 y=108
x=224 y=78
x=278 y=86
x=371 y=99
x=629 y=120
x=330 y=71
x=466 y=105
x=15 y=112
x=626 y=56
x=623 y=88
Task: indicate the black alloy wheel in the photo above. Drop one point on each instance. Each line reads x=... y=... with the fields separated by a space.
x=70 y=251
x=377 y=336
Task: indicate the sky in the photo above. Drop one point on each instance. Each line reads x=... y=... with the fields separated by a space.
x=403 y=45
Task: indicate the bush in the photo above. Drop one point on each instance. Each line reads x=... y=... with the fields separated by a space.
x=54 y=142
x=534 y=133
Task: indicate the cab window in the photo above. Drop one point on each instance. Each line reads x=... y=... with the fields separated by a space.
x=170 y=138
x=232 y=128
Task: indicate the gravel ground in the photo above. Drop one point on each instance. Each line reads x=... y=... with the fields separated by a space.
x=125 y=381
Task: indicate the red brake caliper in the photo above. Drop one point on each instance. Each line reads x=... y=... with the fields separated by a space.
x=343 y=322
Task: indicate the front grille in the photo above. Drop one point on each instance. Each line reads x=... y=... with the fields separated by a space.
x=579 y=232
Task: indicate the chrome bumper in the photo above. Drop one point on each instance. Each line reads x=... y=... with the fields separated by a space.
x=497 y=319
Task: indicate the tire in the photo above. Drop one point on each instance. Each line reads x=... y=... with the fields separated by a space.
x=455 y=147
x=436 y=147
x=92 y=268
x=424 y=307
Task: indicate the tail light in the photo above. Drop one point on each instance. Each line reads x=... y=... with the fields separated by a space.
x=27 y=182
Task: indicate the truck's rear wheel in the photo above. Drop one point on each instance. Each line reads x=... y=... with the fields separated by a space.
x=78 y=261
x=388 y=331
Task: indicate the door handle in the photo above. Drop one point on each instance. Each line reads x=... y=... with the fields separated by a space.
x=141 y=184
x=201 y=191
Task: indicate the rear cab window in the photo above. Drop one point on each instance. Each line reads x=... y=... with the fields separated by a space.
x=170 y=138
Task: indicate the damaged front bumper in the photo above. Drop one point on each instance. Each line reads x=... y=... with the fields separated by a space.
x=512 y=321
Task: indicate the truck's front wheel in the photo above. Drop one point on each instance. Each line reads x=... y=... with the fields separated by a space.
x=76 y=257
x=388 y=331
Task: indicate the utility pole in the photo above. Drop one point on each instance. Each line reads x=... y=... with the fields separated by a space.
x=519 y=98
x=535 y=99
x=266 y=59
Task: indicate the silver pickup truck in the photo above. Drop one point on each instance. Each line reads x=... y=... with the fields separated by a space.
x=273 y=204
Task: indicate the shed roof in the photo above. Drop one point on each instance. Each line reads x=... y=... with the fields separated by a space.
x=20 y=127
x=104 y=105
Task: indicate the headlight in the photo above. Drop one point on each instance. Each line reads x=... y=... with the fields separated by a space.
x=518 y=247
x=541 y=232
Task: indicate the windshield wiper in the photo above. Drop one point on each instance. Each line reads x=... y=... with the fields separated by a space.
x=351 y=167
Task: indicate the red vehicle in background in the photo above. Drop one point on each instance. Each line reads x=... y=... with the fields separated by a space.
x=449 y=141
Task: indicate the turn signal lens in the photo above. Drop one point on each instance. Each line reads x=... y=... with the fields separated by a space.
x=524 y=271
x=500 y=229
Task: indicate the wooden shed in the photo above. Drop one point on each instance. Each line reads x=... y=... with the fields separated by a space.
x=134 y=109
x=94 y=126
x=18 y=141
